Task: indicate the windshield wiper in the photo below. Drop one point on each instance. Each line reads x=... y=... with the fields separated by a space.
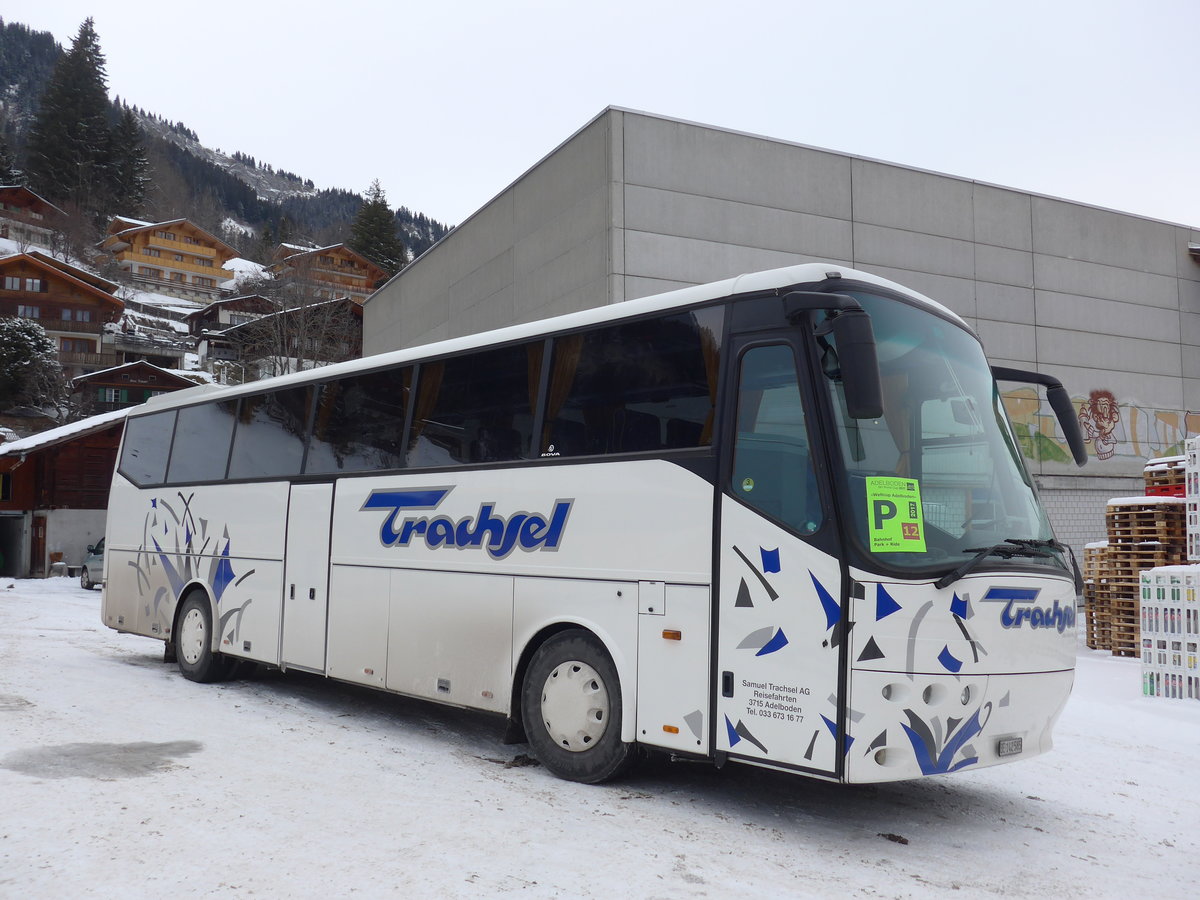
x=1007 y=550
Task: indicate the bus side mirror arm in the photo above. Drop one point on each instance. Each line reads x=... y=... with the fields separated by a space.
x=1060 y=402
x=851 y=328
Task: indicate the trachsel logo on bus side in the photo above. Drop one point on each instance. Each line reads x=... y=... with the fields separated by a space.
x=1019 y=609
x=498 y=534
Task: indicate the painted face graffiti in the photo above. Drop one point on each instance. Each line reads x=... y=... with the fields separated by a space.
x=1098 y=416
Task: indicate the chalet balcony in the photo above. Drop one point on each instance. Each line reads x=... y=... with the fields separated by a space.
x=168 y=263
x=49 y=319
x=342 y=273
x=178 y=288
x=99 y=360
x=140 y=344
x=65 y=325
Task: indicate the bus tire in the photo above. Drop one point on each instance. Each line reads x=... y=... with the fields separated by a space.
x=193 y=642
x=571 y=709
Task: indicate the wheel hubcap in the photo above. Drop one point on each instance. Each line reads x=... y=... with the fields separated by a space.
x=191 y=636
x=575 y=706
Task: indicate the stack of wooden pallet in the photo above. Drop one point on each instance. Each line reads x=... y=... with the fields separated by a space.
x=1166 y=477
x=1095 y=614
x=1143 y=533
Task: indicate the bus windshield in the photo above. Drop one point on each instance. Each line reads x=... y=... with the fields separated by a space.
x=939 y=476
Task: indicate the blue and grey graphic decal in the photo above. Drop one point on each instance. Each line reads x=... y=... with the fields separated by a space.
x=498 y=534
x=739 y=732
x=179 y=543
x=936 y=753
x=761 y=699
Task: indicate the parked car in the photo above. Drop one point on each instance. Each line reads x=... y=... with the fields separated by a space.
x=92 y=572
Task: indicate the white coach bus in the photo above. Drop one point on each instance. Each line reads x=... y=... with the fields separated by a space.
x=781 y=520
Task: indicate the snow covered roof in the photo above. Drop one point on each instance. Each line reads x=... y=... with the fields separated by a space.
x=114 y=231
x=281 y=257
x=23 y=191
x=259 y=299
x=124 y=367
x=64 y=433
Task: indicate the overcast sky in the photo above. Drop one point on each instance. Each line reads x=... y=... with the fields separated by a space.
x=447 y=103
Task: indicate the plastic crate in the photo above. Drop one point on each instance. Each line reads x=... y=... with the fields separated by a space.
x=1169 y=643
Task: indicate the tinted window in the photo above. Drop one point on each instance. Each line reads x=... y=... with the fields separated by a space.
x=772 y=459
x=476 y=408
x=201 y=446
x=270 y=435
x=359 y=423
x=147 y=444
x=636 y=386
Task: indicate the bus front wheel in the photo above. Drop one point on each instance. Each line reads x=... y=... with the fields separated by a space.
x=193 y=642
x=571 y=709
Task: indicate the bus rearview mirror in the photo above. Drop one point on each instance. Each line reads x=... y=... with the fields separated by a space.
x=860 y=366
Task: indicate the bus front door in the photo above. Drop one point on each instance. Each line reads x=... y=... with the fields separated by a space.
x=306 y=577
x=780 y=623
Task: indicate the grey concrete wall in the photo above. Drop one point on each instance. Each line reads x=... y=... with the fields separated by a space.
x=1105 y=300
x=541 y=248
x=636 y=204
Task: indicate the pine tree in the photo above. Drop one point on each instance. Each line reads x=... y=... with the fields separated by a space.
x=130 y=173
x=9 y=173
x=373 y=233
x=29 y=370
x=69 y=154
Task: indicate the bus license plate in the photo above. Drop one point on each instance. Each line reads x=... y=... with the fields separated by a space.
x=1009 y=746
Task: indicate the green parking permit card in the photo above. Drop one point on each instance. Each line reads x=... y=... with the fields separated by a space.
x=894 y=516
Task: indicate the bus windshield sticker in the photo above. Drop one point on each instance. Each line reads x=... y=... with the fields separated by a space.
x=895 y=515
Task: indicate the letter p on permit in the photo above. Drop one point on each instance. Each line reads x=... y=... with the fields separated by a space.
x=882 y=511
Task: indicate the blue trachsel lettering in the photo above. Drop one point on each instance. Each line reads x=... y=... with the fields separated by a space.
x=1058 y=617
x=500 y=535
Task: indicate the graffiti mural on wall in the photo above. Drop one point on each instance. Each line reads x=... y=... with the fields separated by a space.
x=1098 y=416
x=1114 y=430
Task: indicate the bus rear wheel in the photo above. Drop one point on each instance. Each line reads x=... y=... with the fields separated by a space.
x=571 y=709
x=193 y=642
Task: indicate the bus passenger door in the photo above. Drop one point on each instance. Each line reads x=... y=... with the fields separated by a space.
x=779 y=631
x=306 y=577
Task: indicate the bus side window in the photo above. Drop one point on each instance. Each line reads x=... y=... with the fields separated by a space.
x=476 y=408
x=147 y=446
x=271 y=433
x=359 y=423
x=635 y=387
x=201 y=447
x=772 y=460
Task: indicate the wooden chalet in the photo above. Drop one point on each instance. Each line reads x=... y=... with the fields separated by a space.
x=326 y=273
x=73 y=306
x=208 y=324
x=126 y=385
x=26 y=217
x=54 y=494
x=299 y=337
x=177 y=257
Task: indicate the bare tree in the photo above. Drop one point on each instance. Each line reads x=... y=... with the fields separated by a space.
x=306 y=332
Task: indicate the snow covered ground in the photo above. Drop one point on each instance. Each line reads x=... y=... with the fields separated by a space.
x=120 y=778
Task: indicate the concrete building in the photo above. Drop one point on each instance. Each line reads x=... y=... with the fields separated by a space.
x=635 y=204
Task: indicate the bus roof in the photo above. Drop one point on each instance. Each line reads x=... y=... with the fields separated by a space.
x=751 y=283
